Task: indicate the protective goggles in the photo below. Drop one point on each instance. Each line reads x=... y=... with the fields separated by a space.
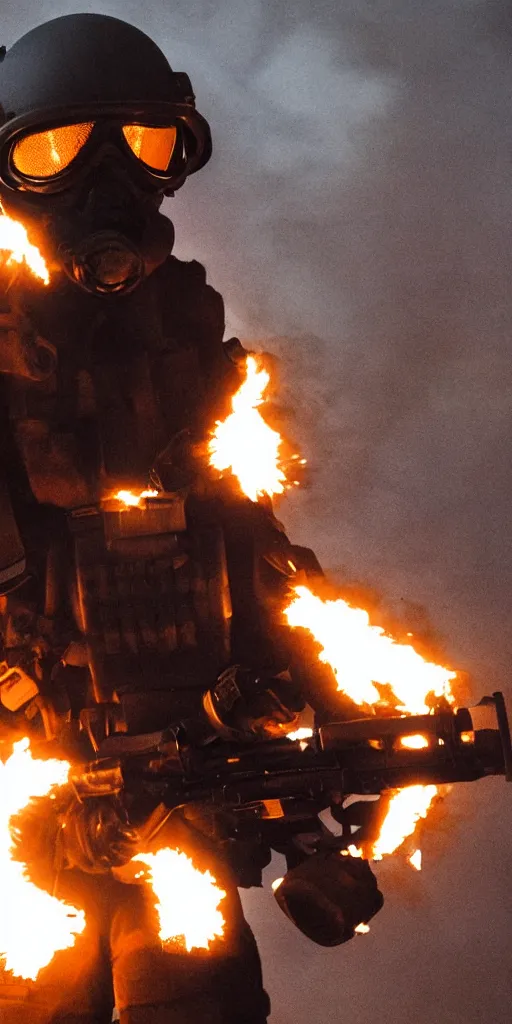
x=48 y=158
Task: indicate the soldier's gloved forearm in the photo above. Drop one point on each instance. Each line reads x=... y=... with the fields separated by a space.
x=93 y=836
x=96 y=836
x=244 y=705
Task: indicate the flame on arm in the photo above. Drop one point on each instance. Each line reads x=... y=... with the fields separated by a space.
x=245 y=445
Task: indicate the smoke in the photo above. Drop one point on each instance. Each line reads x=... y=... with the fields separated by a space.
x=356 y=215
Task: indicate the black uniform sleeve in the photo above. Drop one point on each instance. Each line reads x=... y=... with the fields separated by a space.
x=12 y=554
x=264 y=567
x=196 y=378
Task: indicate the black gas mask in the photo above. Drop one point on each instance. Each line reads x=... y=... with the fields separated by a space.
x=97 y=130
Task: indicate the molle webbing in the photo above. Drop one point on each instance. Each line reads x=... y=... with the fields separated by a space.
x=153 y=597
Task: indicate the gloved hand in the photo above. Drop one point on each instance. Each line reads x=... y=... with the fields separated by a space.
x=243 y=705
x=93 y=836
x=96 y=835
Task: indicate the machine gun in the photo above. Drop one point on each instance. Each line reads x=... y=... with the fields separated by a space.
x=274 y=791
x=292 y=778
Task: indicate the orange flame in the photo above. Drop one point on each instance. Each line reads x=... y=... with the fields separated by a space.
x=354 y=851
x=300 y=734
x=416 y=742
x=415 y=860
x=407 y=807
x=14 y=240
x=188 y=899
x=245 y=444
x=131 y=500
x=33 y=924
x=362 y=655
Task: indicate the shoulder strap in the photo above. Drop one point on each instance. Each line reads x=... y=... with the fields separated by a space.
x=12 y=554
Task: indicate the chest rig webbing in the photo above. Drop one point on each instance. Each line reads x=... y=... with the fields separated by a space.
x=149 y=584
x=153 y=598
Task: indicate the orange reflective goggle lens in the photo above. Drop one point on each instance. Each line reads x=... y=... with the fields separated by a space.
x=153 y=146
x=46 y=154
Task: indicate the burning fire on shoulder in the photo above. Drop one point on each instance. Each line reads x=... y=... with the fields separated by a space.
x=245 y=445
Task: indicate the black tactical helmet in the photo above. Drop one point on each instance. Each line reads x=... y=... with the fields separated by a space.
x=91 y=69
x=95 y=128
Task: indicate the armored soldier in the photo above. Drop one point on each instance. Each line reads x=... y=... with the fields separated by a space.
x=119 y=623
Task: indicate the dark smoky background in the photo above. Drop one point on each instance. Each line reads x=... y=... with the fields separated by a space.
x=356 y=216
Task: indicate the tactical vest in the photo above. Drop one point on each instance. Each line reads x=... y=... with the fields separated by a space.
x=133 y=385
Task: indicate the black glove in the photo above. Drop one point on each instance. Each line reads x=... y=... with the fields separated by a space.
x=244 y=705
x=93 y=836
x=96 y=835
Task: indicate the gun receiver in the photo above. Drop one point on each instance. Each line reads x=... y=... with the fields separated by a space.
x=270 y=795
x=364 y=756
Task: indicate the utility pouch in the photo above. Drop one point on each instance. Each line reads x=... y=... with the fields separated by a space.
x=16 y=687
x=328 y=896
